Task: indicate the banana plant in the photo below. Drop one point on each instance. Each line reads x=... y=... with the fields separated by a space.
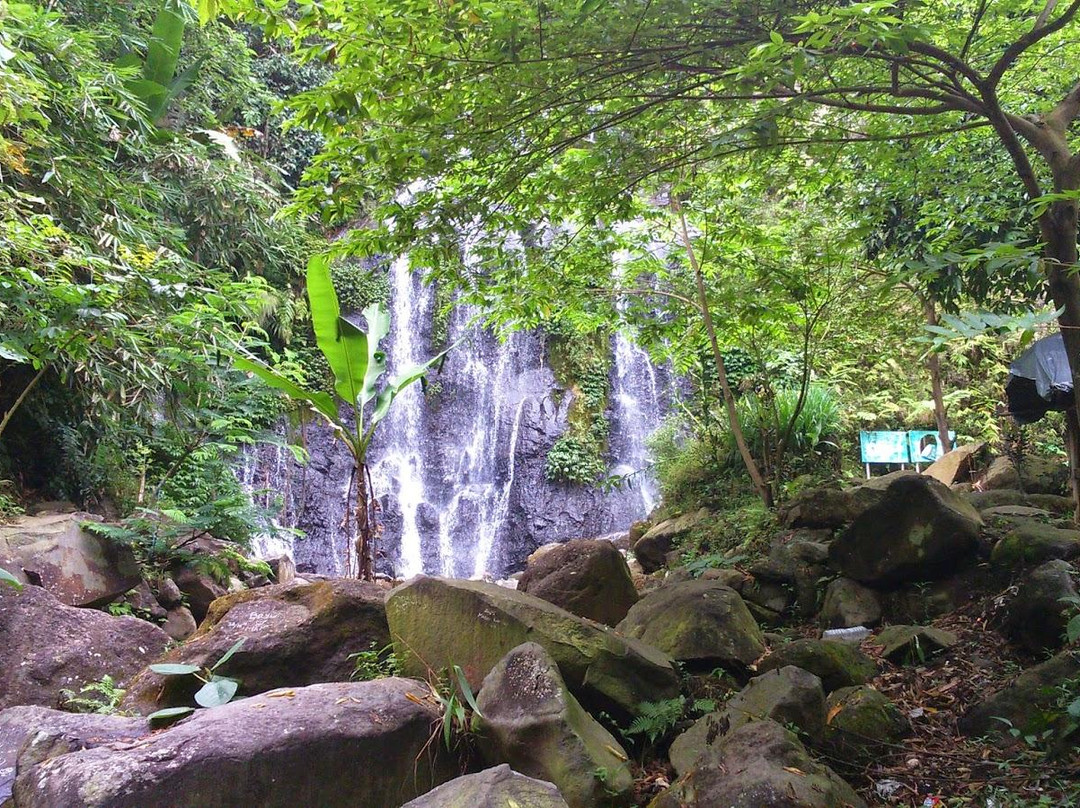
x=158 y=84
x=358 y=365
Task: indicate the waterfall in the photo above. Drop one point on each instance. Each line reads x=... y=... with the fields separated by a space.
x=458 y=468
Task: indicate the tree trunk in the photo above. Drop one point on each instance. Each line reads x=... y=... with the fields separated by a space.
x=934 y=362
x=1059 y=226
x=365 y=527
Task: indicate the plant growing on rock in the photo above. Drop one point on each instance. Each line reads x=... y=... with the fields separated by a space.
x=7 y=578
x=216 y=690
x=358 y=366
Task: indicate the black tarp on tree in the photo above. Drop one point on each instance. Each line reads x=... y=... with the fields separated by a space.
x=1039 y=381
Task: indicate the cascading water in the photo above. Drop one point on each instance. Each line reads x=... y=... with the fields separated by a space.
x=458 y=468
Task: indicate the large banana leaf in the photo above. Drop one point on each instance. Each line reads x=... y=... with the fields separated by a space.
x=344 y=345
x=322 y=402
x=378 y=325
x=162 y=56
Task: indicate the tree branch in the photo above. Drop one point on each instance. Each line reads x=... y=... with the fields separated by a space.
x=1014 y=51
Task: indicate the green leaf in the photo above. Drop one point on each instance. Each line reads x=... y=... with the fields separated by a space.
x=163 y=716
x=218 y=691
x=396 y=385
x=322 y=402
x=344 y=346
x=1072 y=629
x=466 y=691
x=7 y=578
x=174 y=669
x=229 y=654
x=378 y=326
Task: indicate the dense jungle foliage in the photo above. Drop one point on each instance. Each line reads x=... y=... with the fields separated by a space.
x=168 y=168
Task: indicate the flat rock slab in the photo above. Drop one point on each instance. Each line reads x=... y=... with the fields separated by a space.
x=294 y=634
x=498 y=787
x=75 y=566
x=901 y=644
x=57 y=729
x=358 y=745
x=48 y=647
x=437 y=623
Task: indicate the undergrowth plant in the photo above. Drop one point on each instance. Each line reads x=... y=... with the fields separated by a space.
x=461 y=715
x=375 y=663
x=215 y=691
x=102 y=697
x=656 y=720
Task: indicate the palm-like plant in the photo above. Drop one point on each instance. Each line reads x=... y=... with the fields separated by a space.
x=358 y=366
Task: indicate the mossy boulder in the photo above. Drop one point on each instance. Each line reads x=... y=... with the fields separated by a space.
x=700 y=623
x=836 y=664
x=1054 y=503
x=533 y=722
x=848 y=603
x=587 y=577
x=1033 y=542
x=913 y=644
x=294 y=634
x=920 y=530
x=1039 y=612
x=860 y=721
x=438 y=622
x=498 y=787
x=758 y=765
x=652 y=549
x=788 y=695
x=1032 y=703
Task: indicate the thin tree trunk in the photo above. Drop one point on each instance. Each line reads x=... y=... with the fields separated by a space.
x=365 y=539
x=760 y=485
x=934 y=362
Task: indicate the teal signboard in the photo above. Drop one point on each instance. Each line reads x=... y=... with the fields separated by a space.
x=916 y=446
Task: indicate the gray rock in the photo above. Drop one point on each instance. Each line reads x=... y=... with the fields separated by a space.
x=820 y=508
x=849 y=603
x=1054 y=503
x=758 y=765
x=956 y=465
x=837 y=664
x=651 y=549
x=498 y=787
x=1044 y=475
x=438 y=622
x=531 y=721
x=49 y=647
x=861 y=722
x=587 y=577
x=913 y=644
x=1031 y=703
x=362 y=745
x=701 y=623
x=77 y=567
x=787 y=695
x=179 y=623
x=47 y=729
x=920 y=530
x=283 y=568
x=200 y=589
x=1037 y=616
x=168 y=593
x=1002 y=473
x=294 y=634
x=1033 y=542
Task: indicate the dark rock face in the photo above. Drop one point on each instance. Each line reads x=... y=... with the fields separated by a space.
x=294 y=634
x=437 y=622
x=1031 y=703
x=701 y=623
x=758 y=765
x=531 y=721
x=57 y=733
x=361 y=745
x=76 y=567
x=48 y=646
x=1038 y=615
x=493 y=788
x=918 y=531
x=837 y=664
x=587 y=577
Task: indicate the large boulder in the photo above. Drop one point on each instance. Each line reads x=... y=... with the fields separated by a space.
x=361 y=745
x=651 y=549
x=848 y=603
x=836 y=664
x=1030 y=541
x=820 y=508
x=700 y=623
x=48 y=646
x=531 y=721
x=956 y=465
x=981 y=500
x=77 y=567
x=1037 y=616
x=1031 y=703
x=587 y=577
x=437 y=622
x=797 y=561
x=918 y=531
x=498 y=787
x=1044 y=475
x=199 y=588
x=788 y=695
x=1002 y=473
x=294 y=634
x=861 y=722
x=19 y=725
x=758 y=765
